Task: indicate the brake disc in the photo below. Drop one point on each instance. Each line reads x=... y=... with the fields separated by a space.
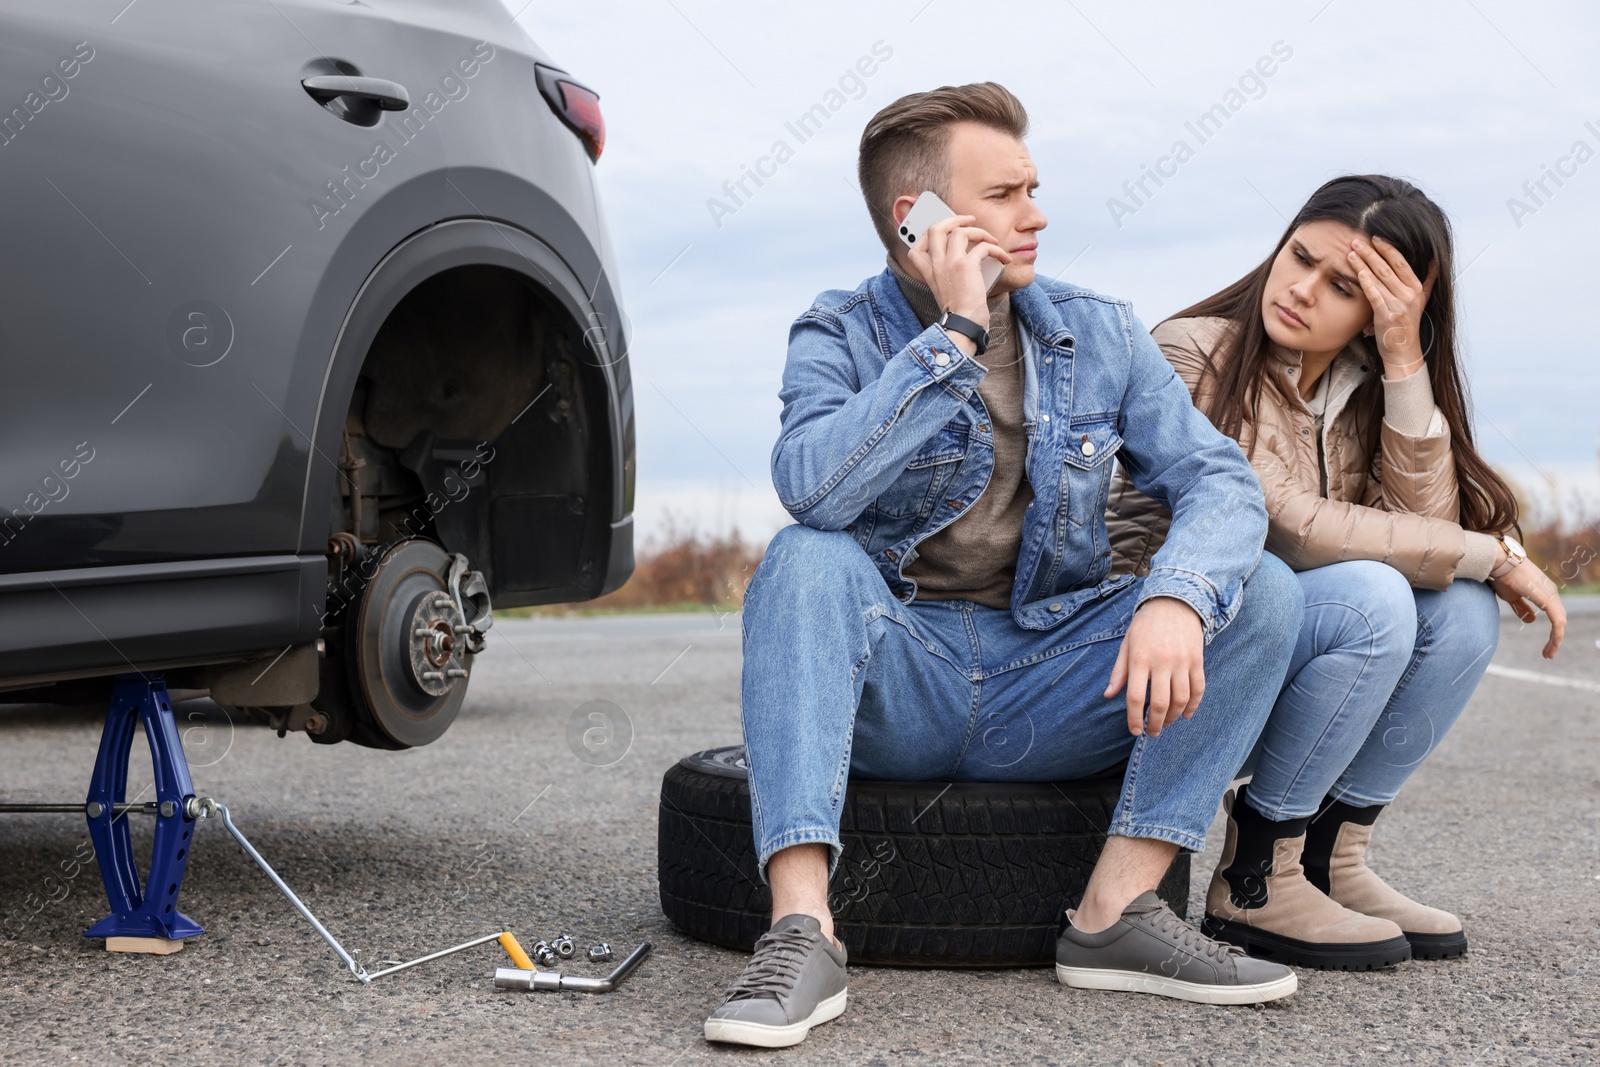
x=410 y=645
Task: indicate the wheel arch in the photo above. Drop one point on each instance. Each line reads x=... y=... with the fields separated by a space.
x=476 y=242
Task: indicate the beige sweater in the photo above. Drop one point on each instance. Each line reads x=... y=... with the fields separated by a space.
x=975 y=557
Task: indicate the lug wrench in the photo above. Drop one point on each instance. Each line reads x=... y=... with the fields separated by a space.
x=528 y=980
x=205 y=806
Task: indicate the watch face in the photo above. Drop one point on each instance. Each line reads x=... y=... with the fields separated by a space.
x=1513 y=547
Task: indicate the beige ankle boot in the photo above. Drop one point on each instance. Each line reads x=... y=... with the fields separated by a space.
x=1335 y=862
x=1259 y=899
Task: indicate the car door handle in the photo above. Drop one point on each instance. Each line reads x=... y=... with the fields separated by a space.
x=388 y=95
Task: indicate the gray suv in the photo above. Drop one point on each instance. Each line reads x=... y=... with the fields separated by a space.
x=313 y=352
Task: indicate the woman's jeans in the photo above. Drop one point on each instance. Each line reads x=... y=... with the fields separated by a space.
x=842 y=678
x=1380 y=672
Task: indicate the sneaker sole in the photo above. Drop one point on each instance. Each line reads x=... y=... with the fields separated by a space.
x=1199 y=992
x=1365 y=956
x=1437 y=946
x=739 y=1032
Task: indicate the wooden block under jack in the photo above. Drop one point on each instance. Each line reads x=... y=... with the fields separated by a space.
x=154 y=946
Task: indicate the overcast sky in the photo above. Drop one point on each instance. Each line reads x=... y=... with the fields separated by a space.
x=1470 y=99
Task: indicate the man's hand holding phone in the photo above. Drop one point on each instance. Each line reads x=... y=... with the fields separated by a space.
x=949 y=255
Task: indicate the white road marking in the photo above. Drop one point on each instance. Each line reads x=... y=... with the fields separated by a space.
x=1543 y=679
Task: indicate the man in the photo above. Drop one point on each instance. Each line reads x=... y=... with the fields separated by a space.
x=950 y=566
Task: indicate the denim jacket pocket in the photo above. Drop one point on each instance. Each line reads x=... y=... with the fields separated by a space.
x=927 y=473
x=1086 y=468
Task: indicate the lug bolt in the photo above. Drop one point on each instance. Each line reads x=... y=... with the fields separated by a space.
x=543 y=954
x=600 y=953
x=564 y=947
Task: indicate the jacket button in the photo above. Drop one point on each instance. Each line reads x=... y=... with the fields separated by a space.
x=1305 y=433
x=953 y=503
x=1049 y=359
x=984 y=426
x=1045 y=418
x=1055 y=605
x=889 y=554
x=1088 y=448
x=941 y=359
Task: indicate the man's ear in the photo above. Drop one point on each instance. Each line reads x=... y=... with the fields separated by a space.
x=902 y=207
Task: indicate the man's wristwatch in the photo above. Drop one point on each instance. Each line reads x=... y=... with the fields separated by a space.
x=1515 y=554
x=966 y=328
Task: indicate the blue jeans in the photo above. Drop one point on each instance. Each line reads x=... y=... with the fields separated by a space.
x=1381 y=671
x=842 y=678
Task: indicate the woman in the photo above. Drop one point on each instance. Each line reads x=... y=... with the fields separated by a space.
x=1334 y=366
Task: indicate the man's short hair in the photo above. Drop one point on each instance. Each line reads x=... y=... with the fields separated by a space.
x=906 y=147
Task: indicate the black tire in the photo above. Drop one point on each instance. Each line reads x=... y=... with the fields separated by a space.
x=934 y=874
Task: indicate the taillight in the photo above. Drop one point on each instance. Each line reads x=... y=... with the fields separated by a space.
x=576 y=105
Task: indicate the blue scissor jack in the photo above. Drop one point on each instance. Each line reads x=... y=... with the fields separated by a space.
x=150 y=910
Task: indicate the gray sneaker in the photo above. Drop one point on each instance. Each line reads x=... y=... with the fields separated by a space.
x=1151 y=950
x=795 y=980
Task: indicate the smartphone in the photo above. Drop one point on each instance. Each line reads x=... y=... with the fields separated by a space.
x=928 y=210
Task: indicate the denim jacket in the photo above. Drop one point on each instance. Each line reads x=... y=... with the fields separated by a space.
x=884 y=435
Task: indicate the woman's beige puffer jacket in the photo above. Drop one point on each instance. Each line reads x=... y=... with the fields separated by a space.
x=1398 y=505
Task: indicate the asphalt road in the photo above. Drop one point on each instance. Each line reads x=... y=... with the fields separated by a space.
x=501 y=824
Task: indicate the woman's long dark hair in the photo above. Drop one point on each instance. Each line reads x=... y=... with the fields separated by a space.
x=1399 y=212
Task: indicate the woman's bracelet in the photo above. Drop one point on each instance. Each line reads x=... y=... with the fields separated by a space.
x=1504 y=568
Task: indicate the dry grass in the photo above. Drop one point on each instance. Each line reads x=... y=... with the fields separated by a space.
x=681 y=570
x=1561 y=531
x=685 y=570
x=1570 y=555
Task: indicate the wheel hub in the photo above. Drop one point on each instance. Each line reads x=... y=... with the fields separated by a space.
x=434 y=646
